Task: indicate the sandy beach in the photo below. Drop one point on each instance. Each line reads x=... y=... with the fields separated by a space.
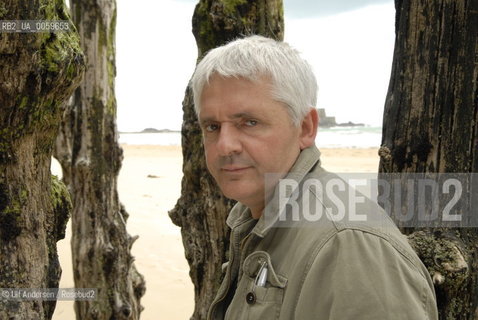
x=149 y=185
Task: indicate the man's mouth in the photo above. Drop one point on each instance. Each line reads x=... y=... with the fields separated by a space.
x=233 y=169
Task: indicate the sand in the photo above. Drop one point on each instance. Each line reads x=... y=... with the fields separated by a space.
x=149 y=185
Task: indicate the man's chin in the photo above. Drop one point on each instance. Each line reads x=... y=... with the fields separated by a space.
x=236 y=195
x=232 y=195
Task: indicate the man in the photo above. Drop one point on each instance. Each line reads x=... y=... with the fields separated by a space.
x=255 y=101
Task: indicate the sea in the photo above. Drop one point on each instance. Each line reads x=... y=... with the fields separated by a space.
x=334 y=137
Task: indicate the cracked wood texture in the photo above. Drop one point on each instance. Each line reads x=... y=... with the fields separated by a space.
x=90 y=156
x=38 y=72
x=431 y=125
x=201 y=210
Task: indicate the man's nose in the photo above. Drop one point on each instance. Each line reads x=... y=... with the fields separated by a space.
x=229 y=142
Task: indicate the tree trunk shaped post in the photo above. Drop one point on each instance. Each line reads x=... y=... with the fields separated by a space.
x=38 y=72
x=90 y=155
x=431 y=125
x=201 y=210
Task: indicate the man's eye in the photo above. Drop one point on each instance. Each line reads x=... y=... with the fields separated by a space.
x=251 y=123
x=211 y=127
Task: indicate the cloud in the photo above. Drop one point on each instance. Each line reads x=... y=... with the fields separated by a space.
x=319 y=8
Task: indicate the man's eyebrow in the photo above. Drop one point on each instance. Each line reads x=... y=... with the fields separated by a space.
x=206 y=120
x=243 y=115
x=234 y=116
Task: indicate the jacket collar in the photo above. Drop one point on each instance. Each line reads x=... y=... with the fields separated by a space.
x=239 y=214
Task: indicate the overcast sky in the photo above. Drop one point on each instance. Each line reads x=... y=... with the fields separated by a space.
x=349 y=43
x=319 y=8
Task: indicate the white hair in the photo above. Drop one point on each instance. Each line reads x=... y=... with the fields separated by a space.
x=293 y=81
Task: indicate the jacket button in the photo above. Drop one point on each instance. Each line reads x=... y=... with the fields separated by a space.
x=251 y=298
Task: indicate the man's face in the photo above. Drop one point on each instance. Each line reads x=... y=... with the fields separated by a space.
x=246 y=135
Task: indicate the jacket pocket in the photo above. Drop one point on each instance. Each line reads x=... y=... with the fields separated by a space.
x=253 y=301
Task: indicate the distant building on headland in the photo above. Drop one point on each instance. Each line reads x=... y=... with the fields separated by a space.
x=327 y=122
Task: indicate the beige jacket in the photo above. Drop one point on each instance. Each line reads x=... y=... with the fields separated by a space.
x=332 y=269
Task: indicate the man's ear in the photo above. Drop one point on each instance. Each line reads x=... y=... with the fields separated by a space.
x=308 y=129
